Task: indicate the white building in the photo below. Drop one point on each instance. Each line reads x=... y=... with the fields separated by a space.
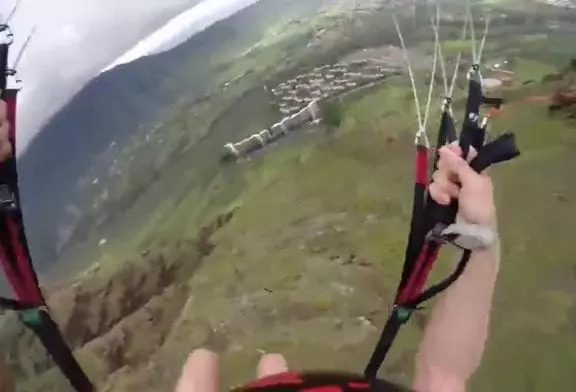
x=561 y=3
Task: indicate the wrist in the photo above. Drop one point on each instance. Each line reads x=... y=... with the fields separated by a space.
x=485 y=216
x=476 y=235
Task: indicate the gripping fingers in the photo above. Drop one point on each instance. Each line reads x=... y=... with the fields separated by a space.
x=271 y=364
x=438 y=194
x=455 y=148
x=5 y=151
x=5 y=145
x=3 y=111
x=200 y=373
x=442 y=189
x=443 y=194
x=447 y=185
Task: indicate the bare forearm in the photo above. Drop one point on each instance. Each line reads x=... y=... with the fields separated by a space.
x=456 y=333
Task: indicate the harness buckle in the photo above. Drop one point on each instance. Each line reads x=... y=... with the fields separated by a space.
x=403 y=313
x=6 y=34
x=465 y=236
x=421 y=139
x=7 y=200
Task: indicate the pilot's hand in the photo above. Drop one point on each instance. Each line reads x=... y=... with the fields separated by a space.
x=201 y=373
x=455 y=179
x=5 y=145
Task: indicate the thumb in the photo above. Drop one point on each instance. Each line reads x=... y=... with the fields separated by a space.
x=457 y=166
x=200 y=373
x=271 y=364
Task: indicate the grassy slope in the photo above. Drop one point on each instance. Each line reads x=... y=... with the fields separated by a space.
x=309 y=206
x=305 y=205
x=537 y=206
x=309 y=261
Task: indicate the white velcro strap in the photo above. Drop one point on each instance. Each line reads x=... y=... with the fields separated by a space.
x=470 y=236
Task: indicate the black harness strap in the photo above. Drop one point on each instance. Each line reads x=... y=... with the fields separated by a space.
x=411 y=293
x=41 y=323
x=495 y=102
x=14 y=305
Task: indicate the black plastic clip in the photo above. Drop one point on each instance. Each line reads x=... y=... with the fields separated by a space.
x=7 y=199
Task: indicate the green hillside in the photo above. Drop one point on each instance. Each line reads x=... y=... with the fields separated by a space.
x=314 y=251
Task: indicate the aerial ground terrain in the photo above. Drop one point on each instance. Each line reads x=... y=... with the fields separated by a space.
x=297 y=248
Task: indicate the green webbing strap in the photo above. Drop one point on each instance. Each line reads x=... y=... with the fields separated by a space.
x=403 y=314
x=398 y=316
x=31 y=317
x=39 y=321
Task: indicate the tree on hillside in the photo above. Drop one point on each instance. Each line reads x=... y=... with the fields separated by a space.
x=332 y=114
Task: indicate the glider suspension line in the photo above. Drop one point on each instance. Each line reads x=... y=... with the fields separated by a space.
x=433 y=225
x=15 y=259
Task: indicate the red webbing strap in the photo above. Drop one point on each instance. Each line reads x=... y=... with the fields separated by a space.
x=27 y=288
x=421 y=174
x=430 y=256
x=11 y=276
x=32 y=292
x=10 y=98
x=415 y=233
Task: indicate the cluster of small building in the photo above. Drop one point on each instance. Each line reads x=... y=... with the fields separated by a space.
x=298 y=98
x=561 y=3
x=497 y=78
x=327 y=81
x=307 y=115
